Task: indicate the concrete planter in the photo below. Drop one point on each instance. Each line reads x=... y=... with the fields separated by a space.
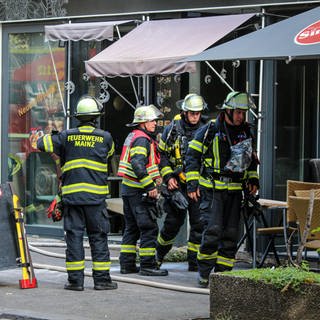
x=236 y=298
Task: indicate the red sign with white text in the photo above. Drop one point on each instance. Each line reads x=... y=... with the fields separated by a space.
x=309 y=35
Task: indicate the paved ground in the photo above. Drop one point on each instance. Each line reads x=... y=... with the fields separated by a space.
x=130 y=301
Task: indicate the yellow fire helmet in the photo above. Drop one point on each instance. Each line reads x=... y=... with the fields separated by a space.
x=88 y=107
x=238 y=100
x=193 y=102
x=144 y=114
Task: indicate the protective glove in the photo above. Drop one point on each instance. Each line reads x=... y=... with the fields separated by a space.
x=55 y=210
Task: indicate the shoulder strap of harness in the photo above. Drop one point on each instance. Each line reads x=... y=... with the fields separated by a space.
x=207 y=138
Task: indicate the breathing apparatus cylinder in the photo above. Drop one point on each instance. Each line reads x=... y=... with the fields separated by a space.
x=179 y=163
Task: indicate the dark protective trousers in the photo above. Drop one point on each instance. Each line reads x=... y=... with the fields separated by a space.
x=94 y=219
x=173 y=221
x=139 y=224
x=220 y=211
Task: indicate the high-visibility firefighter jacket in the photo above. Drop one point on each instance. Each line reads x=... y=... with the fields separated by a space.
x=209 y=153
x=139 y=161
x=173 y=148
x=84 y=153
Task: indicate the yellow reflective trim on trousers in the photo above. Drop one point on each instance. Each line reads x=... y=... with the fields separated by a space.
x=193 y=247
x=144 y=252
x=166 y=170
x=101 y=265
x=85 y=163
x=75 y=265
x=192 y=175
x=225 y=261
x=128 y=248
x=138 y=150
x=86 y=129
x=47 y=142
x=203 y=256
x=163 y=242
x=85 y=187
x=198 y=146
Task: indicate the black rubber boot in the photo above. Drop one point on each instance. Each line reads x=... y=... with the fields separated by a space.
x=131 y=269
x=110 y=285
x=203 y=282
x=192 y=267
x=73 y=286
x=153 y=272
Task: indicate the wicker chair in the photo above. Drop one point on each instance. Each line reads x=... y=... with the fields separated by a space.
x=300 y=207
x=288 y=223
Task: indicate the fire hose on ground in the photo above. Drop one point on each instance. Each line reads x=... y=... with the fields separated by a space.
x=154 y=284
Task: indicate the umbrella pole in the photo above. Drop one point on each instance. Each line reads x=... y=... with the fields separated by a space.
x=260 y=93
x=57 y=79
x=68 y=81
x=145 y=89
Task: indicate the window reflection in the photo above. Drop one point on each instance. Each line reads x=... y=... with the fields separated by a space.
x=35 y=109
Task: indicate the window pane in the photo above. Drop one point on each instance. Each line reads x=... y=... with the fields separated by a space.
x=35 y=108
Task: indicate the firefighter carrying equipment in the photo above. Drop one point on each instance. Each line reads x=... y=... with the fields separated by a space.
x=180 y=142
x=144 y=114
x=176 y=198
x=125 y=167
x=28 y=280
x=209 y=152
x=55 y=210
x=241 y=156
x=173 y=148
x=154 y=206
x=88 y=108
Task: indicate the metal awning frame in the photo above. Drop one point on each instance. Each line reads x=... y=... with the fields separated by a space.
x=66 y=108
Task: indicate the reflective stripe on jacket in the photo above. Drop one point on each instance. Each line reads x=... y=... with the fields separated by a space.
x=126 y=170
x=208 y=154
x=84 y=153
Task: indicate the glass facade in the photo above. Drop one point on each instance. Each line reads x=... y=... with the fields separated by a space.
x=35 y=108
x=297 y=119
x=32 y=105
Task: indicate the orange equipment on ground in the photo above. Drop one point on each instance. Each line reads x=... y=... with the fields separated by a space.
x=28 y=278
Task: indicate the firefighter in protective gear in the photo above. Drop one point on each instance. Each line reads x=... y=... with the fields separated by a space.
x=139 y=170
x=84 y=153
x=173 y=146
x=208 y=173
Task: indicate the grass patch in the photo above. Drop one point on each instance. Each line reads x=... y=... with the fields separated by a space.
x=282 y=278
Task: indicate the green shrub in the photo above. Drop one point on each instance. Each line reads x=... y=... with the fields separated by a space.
x=176 y=254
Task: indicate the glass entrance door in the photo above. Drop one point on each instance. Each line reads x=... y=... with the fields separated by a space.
x=297 y=122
